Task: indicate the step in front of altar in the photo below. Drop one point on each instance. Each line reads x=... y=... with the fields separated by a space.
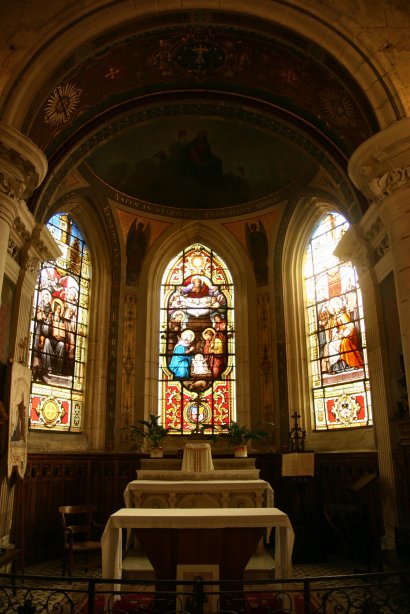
x=261 y=566
x=224 y=469
x=136 y=566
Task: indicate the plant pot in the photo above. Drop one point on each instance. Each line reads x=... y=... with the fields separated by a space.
x=240 y=451
x=157 y=452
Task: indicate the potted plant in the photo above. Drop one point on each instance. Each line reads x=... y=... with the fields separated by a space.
x=241 y=435
x=152 y=431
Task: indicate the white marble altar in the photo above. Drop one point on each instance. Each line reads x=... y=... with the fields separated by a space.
x=198 y=494
x=197 y=481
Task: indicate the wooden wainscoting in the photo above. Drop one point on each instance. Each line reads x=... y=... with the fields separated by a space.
x=52 y=480
x=345 y=484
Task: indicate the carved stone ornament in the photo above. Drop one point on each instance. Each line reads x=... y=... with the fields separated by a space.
x=23 y=164
x=21 y=229
x=11 y=186
x=33 y=266
x=392 y=181
x=383 y=246
x=375 y=229
x=13 y=249
x=375 y=233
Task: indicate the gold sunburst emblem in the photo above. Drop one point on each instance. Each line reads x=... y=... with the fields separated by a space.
x=62 y=104
x=338 y=106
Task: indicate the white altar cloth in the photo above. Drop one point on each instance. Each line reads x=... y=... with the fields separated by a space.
x=197 y=457
x=198 y=493
x=214 y=518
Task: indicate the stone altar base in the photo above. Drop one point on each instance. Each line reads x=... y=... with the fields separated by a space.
x=261 y=565
x=224 y=469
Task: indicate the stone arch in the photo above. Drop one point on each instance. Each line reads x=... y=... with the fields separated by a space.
x=52 y=46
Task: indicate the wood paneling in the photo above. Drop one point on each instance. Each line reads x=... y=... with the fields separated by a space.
x=52 y=480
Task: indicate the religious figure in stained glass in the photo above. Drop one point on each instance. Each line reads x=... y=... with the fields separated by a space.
x=181 y=360
x=197 y=370
x=58 y=331
x=341 y=388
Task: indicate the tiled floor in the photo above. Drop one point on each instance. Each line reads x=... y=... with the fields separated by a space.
x=75 y=592
x=331 y=567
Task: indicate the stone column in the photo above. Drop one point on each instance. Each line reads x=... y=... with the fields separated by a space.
x=380 y=168
x=23 y=167
x=356 y=247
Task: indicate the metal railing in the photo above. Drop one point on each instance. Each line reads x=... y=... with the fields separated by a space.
x=370 y=593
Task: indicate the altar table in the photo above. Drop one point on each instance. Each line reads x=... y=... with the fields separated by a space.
x=165 y=533
x=198 y=494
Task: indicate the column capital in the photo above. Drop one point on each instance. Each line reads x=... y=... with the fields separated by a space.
x=353 y=247
x=381 y=165
x=23 y=165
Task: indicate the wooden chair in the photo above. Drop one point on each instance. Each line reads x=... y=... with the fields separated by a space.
x=78 y=525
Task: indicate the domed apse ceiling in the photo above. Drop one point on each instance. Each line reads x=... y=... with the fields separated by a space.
x=235 y=61
x=199 y=163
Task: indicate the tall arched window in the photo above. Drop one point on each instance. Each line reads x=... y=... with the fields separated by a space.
x=59 y=332
x=197 y=357
x=336 y=332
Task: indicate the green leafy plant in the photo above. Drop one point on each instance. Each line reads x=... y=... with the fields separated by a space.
x=148 y=429
x=240 y=435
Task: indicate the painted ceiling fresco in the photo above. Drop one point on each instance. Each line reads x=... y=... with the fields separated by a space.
x=108 y=104
x=197 y=52
x=200 y=163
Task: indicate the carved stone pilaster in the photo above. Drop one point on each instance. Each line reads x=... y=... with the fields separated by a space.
x=375 y=233
x=23 y=167
x=353 y=246
x=380 y=168
x=22 y=229
x=23 y=164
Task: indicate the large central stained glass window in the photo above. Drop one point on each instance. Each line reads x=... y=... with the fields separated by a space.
x=197 y=343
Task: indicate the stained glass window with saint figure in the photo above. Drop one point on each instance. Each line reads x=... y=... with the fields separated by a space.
x=59 y=332
x=197 y=358
x=336 y=331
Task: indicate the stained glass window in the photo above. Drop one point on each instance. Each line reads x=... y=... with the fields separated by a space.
x=336 y=332
x=197 y=358
x=59 y=332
